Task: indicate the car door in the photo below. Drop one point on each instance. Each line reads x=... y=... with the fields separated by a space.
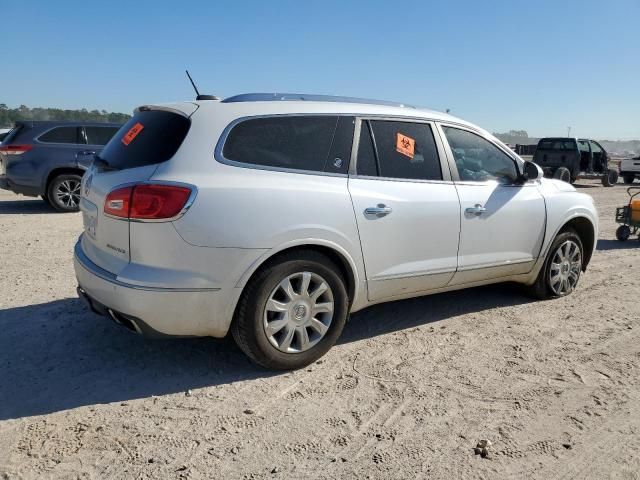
x=502 y=219
x=406 y=207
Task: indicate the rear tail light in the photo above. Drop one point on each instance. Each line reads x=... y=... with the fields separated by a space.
x=15 y=149
x=147 y=201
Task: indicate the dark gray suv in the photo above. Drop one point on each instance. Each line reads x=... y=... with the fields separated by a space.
x=48 y=159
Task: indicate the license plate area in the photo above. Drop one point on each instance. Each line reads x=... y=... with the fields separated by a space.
x=89 y=217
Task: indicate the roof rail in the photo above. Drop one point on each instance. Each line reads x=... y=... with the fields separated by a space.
x=293 y=97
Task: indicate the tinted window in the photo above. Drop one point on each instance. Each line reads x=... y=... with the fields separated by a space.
x=557 y=144
x=60 y=135
x=478 y=159
x=99 y=135
x=300 y=143
x=406 y=150
x=338 y=159
x=150 y=136
x=366 y=163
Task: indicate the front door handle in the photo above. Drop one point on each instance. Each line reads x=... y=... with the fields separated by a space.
x=380 y=211
x=477 y=210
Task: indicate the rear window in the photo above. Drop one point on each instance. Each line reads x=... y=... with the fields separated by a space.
x=311 y=143
x=557 y=144
x=149 y=137
x=99 y=135
x=60 y=135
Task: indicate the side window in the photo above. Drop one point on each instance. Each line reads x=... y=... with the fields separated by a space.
x=311 y=143
x=366 y=163
x=99 y=135
x=403 y=150
x=595 y=147
x=61 y=135
x=479 y=160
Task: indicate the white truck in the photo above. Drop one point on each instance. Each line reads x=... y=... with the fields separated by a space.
x=630 y=169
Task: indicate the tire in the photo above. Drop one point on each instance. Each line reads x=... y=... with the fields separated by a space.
x=610 y=178
x=64 y=192
x=623 y=232
x=628 y=178
x=563 y=174
x=265 y=302
x=543 y=288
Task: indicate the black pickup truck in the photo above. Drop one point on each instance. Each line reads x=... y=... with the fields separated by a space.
x=571 y=158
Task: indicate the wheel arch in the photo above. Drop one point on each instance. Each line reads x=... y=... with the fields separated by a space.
x=586 y=230
x=337 y=254
x=61 y=171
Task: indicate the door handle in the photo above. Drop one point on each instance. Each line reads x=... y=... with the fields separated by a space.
x=477 y=210
x=380 y=211
x=87 y=152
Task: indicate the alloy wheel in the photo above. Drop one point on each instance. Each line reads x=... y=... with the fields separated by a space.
x=68 y=193
x=566 y=266
x=298 y=312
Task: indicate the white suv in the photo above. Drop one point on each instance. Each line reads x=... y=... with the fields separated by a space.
x=274 y=216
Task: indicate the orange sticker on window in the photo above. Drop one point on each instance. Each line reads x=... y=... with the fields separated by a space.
x=132 y=133
x=405 y=145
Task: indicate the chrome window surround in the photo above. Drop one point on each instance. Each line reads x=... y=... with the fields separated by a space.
x=444 y=166
x=454 y=168
x=187 y=205
x=447 y=173
x=220 y=158
x=79 y=126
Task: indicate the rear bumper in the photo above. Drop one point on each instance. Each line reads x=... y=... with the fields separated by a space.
x=151 y=311
x=7 y=184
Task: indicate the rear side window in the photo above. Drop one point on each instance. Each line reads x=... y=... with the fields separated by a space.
x=311 y=143
x=403 y=150
x=61 y=135
x=99 y=135
x=557 y=144
x=150 y=136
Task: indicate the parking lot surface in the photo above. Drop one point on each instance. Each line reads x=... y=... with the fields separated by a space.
x=408 y=392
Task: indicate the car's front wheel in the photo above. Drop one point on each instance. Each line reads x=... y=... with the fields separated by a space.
x=64 y=192
x=561 y=271
x=291 y=311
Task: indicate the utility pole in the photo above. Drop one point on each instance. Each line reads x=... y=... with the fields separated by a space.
x=568 y=131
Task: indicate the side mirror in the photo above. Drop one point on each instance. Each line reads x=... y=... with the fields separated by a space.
x=531 y=171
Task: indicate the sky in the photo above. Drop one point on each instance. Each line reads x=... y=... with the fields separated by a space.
x=538 y=66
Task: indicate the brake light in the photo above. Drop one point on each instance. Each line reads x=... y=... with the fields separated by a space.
x=118 y=202
x=15 y=149
x=147 y=201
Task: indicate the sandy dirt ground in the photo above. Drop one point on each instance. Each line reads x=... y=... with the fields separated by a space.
x=408 y=392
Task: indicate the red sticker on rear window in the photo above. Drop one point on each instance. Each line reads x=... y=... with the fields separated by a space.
x=132 y=133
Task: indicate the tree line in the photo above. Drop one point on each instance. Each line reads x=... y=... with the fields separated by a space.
x=8 y=116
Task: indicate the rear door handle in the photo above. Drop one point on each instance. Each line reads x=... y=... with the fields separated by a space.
x=86 y=152
x=380 y=211
x=477 y=210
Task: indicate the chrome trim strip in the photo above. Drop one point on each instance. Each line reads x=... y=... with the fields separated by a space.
x=101 y=273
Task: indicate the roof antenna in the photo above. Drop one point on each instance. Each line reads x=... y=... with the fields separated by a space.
x=198 y=96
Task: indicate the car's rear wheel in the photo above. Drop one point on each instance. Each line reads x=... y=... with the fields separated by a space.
x=561 y=271
x=64 y=192
x=291 y=311
x=610 y=178
x=563 y=174
x=628 y=178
